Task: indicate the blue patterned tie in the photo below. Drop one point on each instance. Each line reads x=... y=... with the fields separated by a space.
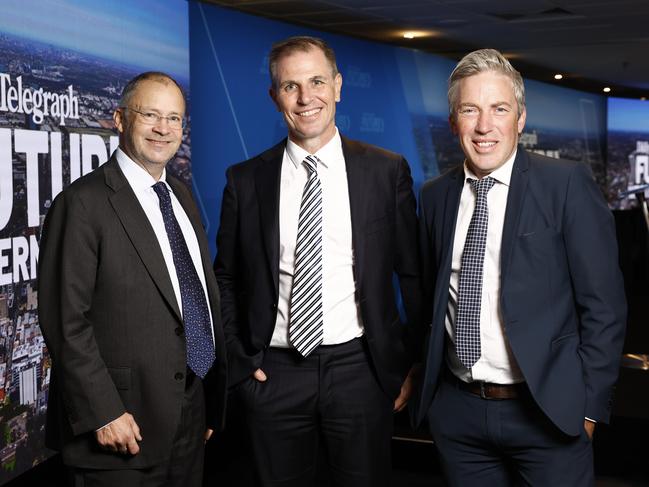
x=305 y=329
x=467 y=334
x=196 y=315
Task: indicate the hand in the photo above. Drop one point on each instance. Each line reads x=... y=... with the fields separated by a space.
x=259 y=375
x=406 y=390
x=208 y=434
x=120 y=436
x=589 y=426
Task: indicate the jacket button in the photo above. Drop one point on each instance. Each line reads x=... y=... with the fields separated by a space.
x=179 y=330
x=179 y=376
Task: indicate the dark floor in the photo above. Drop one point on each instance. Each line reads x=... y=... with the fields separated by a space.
x=621 y=459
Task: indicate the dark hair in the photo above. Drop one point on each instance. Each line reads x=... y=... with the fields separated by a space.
x=298 y=43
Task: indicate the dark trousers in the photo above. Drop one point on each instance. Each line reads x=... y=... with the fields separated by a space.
x=184 y=468
x=504 y=442
x=331 y=398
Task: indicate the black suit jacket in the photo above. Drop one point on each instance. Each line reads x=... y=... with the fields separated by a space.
x=561 y=297
x=112 y=324
x=383 y=218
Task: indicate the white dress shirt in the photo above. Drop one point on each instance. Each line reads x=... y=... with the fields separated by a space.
x=496 y=363
x=142 y=184
x=341 y=314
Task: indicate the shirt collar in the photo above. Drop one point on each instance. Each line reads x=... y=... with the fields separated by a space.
x=328 y=154
x=503 y=174
x=136 y=175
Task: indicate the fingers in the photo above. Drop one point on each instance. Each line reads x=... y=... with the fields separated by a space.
x=589 y=426
x=406 y=390
x=260 y=375
x=399 y=404
x=120 y=436
x=208 y=434
x=136 y=429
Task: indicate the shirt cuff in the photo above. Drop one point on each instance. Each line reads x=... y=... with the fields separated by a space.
x=108 y=424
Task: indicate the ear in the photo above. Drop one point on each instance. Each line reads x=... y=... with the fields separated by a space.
x=118 y=120
x=521 y=121
x=338 y=85
x=273 y=96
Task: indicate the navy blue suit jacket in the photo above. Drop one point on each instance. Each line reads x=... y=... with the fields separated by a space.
x=562 y=297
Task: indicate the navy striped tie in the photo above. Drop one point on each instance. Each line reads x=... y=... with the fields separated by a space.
x=467 y=334
x=305 y=328
x=196 y=315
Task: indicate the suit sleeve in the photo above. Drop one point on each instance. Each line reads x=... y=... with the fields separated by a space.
x=67 y=276
x=241 y=363
x=591 y=247
x=407 y=265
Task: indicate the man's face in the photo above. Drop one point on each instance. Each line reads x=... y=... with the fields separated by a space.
x=486 y=121
x=151 y=146
x=306 y=93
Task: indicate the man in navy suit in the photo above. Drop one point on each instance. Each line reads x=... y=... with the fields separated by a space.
x=523 y=295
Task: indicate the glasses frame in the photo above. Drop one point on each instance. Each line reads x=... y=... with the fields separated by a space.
x=158 y=118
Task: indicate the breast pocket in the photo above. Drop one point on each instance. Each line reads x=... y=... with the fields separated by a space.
x=543 y=243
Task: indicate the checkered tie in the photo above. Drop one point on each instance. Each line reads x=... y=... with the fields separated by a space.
x=467 y=334
x=305 y=329
x=196 y=315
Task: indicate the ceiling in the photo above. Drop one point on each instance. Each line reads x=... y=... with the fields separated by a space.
x=593 y=43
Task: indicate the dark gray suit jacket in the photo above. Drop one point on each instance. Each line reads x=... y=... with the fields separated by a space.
x=112 y=324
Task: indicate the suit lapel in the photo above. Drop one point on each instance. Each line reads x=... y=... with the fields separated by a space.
x=267 y=184
x=139 y=231
x=517 y=190
x=451 y=205
x=357 y=166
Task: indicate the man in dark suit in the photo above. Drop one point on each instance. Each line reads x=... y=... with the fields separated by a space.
x=129 y=309
x=523 y=295
x=312 y=232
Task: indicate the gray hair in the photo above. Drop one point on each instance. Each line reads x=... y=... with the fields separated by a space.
x=302 y=44
x=481 y=61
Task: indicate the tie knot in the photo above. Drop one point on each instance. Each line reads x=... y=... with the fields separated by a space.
x=482 y=186
x=311 y=163
x=161 y=190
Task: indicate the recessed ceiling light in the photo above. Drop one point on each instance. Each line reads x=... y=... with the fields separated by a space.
x=558 y=76
x=409 y=35
x=606 y=90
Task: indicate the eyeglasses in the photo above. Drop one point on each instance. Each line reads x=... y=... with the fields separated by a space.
x=152 y=118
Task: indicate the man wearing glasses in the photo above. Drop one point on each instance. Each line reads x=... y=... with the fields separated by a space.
x=129 y=309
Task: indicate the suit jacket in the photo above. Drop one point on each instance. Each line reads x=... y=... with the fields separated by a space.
x=383 y=218
x=112 y=323
x=562 y=298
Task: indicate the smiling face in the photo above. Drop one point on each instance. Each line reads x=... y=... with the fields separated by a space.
x=486 y=121
x=151 y=146
x=306 y=92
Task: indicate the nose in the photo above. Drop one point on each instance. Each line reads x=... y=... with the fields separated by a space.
x=162 y=126
x=305 y=96
x=484 y=123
